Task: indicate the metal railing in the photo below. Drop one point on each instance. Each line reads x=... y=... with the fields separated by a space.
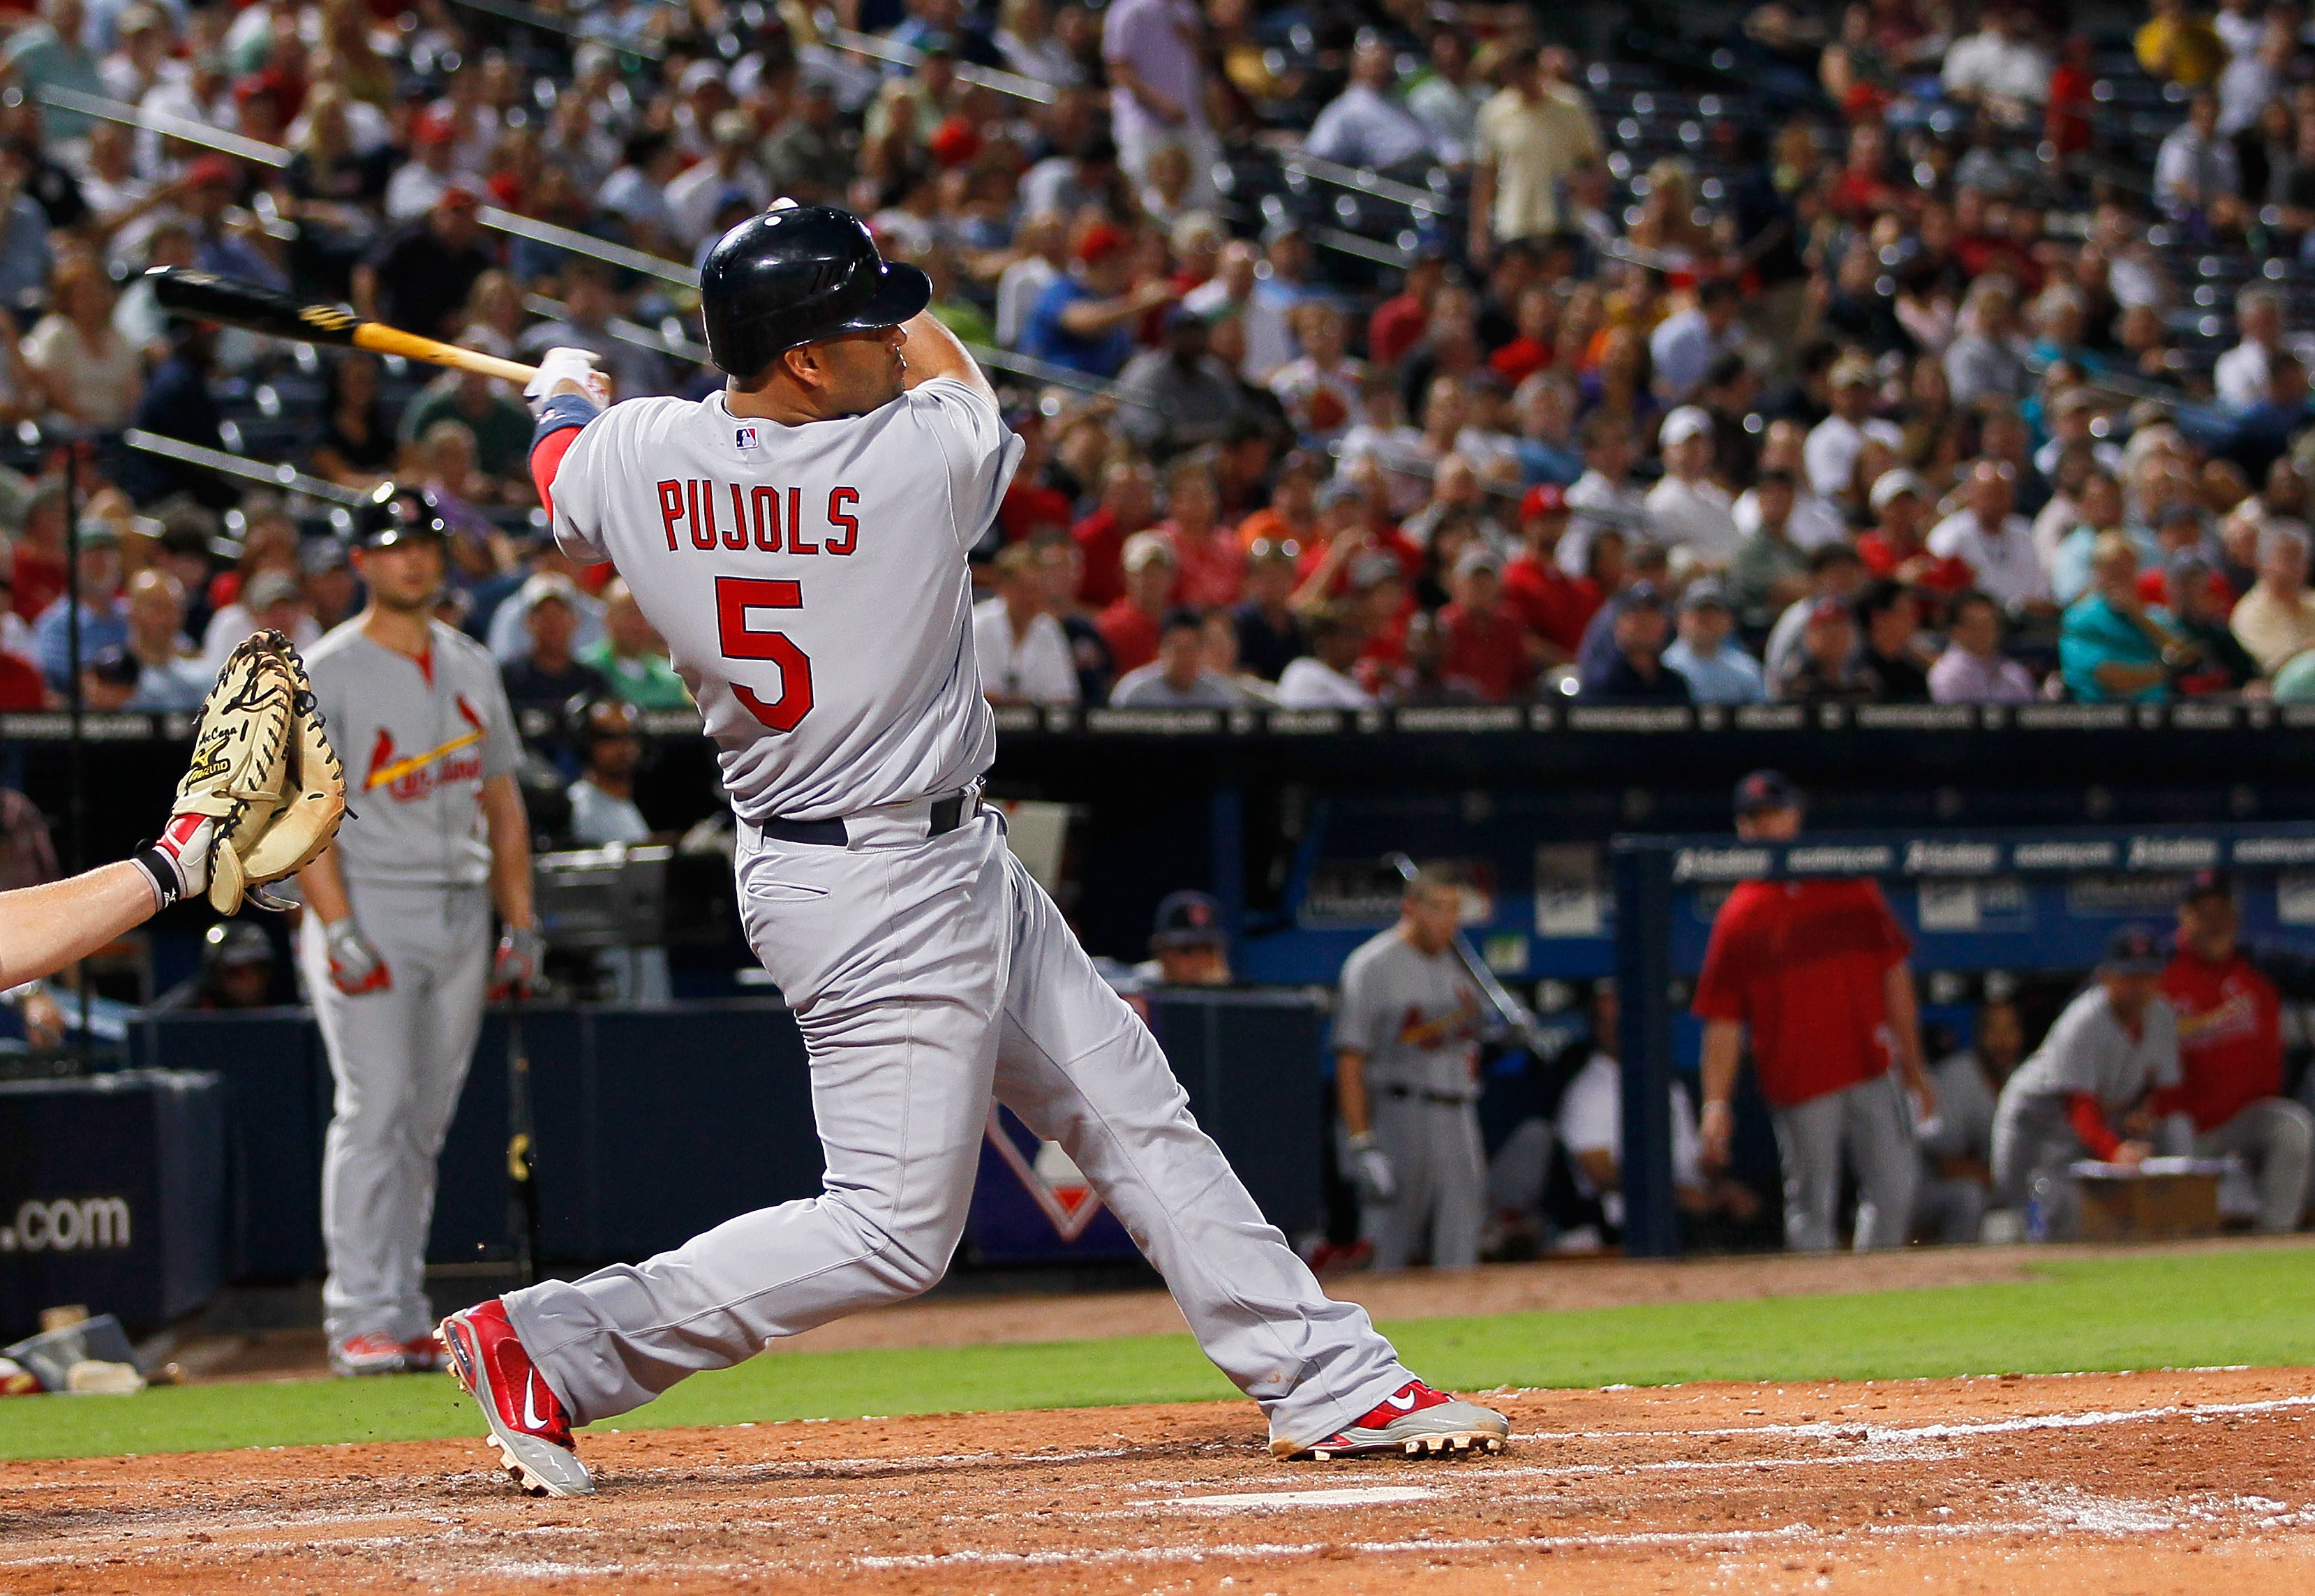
x=902 y=55
x=286 y=478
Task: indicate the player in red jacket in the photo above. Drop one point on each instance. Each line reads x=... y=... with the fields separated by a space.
x=2231 y=1055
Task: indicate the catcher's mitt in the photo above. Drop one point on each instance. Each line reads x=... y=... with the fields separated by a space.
x=265 y=793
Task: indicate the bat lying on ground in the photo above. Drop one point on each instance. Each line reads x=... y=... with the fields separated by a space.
x=206 y=297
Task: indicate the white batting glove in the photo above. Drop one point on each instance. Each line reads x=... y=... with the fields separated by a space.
x=1371 y=1171
x=355 y=966
x=521 y=950
x=564 y=364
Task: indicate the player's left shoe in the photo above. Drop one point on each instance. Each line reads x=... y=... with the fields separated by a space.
x=1411 y=1422
x=526 y=1417
x=360 y=1355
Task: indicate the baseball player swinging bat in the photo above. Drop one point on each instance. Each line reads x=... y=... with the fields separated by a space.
x=800 y=540
x=206 y=297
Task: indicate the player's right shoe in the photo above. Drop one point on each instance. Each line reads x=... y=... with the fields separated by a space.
x=368 y=1354
x=1411 y=1422
x=525 y=1416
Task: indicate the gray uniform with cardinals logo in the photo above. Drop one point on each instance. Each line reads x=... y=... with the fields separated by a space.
x=419 y=739
x=1415 y=1017
x=811 y=583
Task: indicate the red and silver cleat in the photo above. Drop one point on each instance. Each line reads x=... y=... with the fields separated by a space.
x=368 y=1354
x=527 y=1420
x=1411 y=1421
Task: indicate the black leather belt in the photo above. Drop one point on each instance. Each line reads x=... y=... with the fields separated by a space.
x=1400 y=1094
x=948 y=813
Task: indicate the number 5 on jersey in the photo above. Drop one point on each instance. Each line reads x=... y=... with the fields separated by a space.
x=735 y=596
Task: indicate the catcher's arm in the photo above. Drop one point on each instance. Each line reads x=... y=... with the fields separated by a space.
x=46 y=928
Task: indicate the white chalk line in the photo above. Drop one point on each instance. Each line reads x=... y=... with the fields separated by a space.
x=1862 y=1431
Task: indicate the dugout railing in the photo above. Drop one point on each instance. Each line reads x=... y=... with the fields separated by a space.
x=1973 y=900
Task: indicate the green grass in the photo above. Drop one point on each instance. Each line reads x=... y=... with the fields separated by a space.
x=2129 y=1311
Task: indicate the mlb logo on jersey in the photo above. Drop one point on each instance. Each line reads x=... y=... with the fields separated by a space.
x=745 y=437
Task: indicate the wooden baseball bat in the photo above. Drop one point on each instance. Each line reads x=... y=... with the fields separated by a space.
x=204 y=296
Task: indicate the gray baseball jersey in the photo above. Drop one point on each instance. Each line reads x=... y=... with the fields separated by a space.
x=419 y=739
x=1414 y=1016
x=2088 y=1051
x=810 y=581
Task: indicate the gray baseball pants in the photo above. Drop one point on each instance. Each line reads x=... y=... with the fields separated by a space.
x=1871 y=1123
x=927 y=976
x=399 y=1057
x=2275 y=1140
x=1439 y=1163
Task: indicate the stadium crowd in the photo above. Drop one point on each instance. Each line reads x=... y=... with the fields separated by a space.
x=1910 y=371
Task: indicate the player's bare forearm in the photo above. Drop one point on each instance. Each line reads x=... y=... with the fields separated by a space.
x=1722 y=1050
x=46 y=928
x=510 y=838
x=1905 y=1021
x=933 y=350
x=323 y=888
x=1351 y=1089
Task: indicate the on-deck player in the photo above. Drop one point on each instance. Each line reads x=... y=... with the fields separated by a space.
x=395 y=946
x=800 y=541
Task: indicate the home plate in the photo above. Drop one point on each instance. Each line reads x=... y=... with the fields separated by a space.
x=1347 y=1496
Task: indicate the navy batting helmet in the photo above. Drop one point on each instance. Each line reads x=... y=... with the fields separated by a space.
x=393 y=515
x=795 y=276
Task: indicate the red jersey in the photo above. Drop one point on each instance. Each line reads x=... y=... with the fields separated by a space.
x=1802 y=963
x=1519 y=359
x=1213 y=566
x=2230 y=1036
x=22 y=686
x=1130 y=634
x=40 y=582
x=1948 y=575
x=1553 y=605
x=1395 y=327
x=1102 y=541
x=1488 y=651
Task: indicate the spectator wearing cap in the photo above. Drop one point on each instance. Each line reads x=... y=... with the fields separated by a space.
x=1688 y=508
x=1687 y=344
x=1897 y=547
x=2115 y=647
x=1972 y=668
x=1129 y=624
x=1177 y=398
x=2199 y=614
x=2091 y=1089
x=1552 y=605
x=1993 y=541
x=1636 y=673
x=1767 y=571
x=548 y=675
x=1826 y=662
x=1269 y=636
x=1085 y=321
x=2275 y=619
x=1957 y=1176
x=1024 y=657
x=1322 y=678
x=1835 y=442
x=420 y=275
x=1383 y=600
x=419 y=183
x=1816 y=971
x=1481 y=642
x=1189 y=943
x=1364 y=126
x=1128 y=504
x=1716 y=668
x=2231 y=1055
x=1532 y=136
x=104 y=614
x=1179 y=677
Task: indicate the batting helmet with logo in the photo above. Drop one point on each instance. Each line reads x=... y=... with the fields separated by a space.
x=795 y=276
x=394 y=514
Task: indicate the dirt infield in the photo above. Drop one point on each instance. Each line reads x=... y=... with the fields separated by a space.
x=2150 y=1483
